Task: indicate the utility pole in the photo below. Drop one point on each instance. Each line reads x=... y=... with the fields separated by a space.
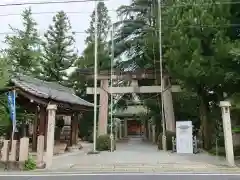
x=111 y=81
x=164 y=138
x=95 y=77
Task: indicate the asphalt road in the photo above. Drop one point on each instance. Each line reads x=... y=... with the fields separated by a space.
x=122 y=177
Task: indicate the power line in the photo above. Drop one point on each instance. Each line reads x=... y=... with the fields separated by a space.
x=88 y=12
x=47 y=2
x=53 y=12
x=12 y=33
x=154 y=29
x=79 y=1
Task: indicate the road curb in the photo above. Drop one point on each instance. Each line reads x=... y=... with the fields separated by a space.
x=155 y=169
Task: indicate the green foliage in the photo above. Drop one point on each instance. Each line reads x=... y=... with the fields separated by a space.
x=86 y=126
x=22 y=55
x=200 y=51
x=137 y=41
x=186 y=105
x=4 y=121
x=59 y=51
x=197 y=53
x=90 y=137
x=5 y=67
x=4 y=79
x=30 y=164
x=104 y=23
x=169 y=136
x=24 y=50
x=104 y=143
x=221 y=151
x=87 y=61
x=137 y=37
x=236 y=129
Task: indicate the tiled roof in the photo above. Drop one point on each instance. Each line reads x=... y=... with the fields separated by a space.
x=48 y=90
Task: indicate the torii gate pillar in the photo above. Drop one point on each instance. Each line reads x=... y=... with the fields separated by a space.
x=168 y=107
x=103 y=109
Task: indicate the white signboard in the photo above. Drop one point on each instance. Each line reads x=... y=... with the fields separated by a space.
x=184 y=141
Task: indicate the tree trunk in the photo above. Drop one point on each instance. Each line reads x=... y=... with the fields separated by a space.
x=205 y=123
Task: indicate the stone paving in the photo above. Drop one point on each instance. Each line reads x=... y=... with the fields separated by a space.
x=135 y=154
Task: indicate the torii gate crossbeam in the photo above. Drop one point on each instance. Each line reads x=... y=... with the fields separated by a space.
x=133 y=89
x=104 y=91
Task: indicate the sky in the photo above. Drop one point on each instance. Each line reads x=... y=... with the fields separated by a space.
x=44 y=13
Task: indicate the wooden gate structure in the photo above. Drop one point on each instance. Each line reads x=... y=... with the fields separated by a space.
x=133 y=77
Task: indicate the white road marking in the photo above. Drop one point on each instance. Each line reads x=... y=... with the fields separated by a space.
x=116 y=174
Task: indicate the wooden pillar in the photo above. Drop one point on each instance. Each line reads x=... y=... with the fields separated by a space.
x=42 y=119
x=77 y=126
x=146 y=129
x=120 y=130
x=74 y=127
x=34 y=135
x=149 y=131
x=116 y=131
x=153 y=133
x=103 y=109
x=46 y=130
x=42 y=124
x=125 y=127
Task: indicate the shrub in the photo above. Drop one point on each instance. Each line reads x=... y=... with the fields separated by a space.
x=90 y=138
x=169 y=136
x=104 y=143
x=221 y=140
x=30 y=164
x=221 y=151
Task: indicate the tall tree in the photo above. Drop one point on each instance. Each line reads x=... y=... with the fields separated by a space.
x=199 y=53
x=5 y=67
x=24 y=46
x=59 y=51
x=103 y=24
x=103 y=29
x=195 y=47
x=137 y=41
x=87 y=60
x=22 y=55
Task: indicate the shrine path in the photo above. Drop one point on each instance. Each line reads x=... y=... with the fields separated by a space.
x=136 y=153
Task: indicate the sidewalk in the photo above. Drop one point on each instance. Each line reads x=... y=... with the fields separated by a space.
x=146 y=168
x=137 y=156
x=159 y=169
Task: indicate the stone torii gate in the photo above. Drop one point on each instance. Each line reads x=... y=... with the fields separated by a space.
x=104 y=90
